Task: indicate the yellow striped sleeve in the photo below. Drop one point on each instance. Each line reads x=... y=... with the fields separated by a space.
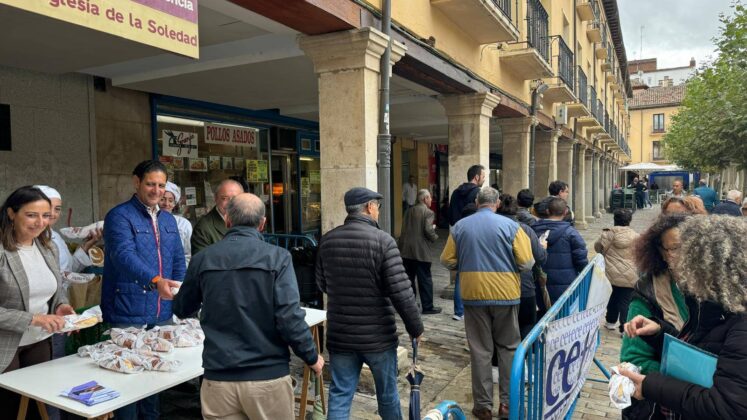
x=449 y=254
x=523 y=250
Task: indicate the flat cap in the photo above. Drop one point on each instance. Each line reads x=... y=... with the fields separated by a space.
x=360 y=195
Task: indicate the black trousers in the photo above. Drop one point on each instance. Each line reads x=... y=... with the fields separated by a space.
x=421 y=270
x=527 y=315
x=617 y=307
x=639 y=199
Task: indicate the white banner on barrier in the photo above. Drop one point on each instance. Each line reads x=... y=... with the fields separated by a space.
x=570 y=344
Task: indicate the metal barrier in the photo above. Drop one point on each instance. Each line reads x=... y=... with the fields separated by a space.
x=289 y=241
x=526 y=397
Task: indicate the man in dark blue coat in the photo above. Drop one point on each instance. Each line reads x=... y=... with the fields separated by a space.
x=566 y=250
x=144 y=260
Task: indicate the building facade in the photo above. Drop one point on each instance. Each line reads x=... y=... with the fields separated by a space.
x=534 y=90
x=651 y=111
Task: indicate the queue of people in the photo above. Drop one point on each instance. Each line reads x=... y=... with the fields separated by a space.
x=512 y=259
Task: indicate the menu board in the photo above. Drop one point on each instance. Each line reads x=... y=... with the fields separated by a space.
x=256 y=171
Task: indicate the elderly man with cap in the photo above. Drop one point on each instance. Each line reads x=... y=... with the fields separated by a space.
x=79 y=260
x=360 y=269
x=170 y=203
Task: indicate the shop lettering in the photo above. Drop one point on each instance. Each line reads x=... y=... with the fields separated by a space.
x=82 y=5
x=564 y=361
x=184 y=4
x=243 y=137
x=166 y=32
x=218 y=134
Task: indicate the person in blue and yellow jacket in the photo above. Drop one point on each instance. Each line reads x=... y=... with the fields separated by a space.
x=489 y=251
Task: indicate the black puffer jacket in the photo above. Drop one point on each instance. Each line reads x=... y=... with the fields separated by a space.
x=360 y=269
x=725 y=335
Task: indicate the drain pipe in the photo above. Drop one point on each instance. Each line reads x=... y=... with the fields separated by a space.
x=536 y=104
x=384 y=139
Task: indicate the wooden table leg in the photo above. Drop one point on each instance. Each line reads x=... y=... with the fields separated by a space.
x=23 y=407
x=42 y=410
x=315 y=334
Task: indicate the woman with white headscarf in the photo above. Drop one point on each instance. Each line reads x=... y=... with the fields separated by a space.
x=169 y=202
x=78 y=261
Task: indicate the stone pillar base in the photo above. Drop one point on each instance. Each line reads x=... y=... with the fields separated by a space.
x=598 y=214
x=581 y=225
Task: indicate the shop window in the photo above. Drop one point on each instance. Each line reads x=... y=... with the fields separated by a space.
x=5 y=127
x=199 y=154
x=657 y=151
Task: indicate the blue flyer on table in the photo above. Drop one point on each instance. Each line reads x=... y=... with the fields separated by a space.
x=90 y=393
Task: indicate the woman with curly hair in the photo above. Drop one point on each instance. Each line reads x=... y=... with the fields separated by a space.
x=687 y=205
x=713 y=270
x=656 y=294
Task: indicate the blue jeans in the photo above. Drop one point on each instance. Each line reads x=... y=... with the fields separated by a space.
x=346 y=370
x=149 y=408
x=458 y=304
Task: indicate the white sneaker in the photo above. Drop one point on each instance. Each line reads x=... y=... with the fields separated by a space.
x=610 y=325
x=495 y=375
x=456 y=317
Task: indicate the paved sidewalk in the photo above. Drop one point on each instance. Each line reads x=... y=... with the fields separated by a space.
x=445 y=361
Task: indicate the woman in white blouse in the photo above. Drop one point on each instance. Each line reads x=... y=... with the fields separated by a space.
x=32 y=302
x=72 y=263
x=169 y=203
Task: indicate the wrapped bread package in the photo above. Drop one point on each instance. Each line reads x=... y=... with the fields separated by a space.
x=118 y=364
x=621 y=387
x=89 y=318
x=80 y=234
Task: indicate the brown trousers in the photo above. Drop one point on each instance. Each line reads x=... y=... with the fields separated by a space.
x=253 y=400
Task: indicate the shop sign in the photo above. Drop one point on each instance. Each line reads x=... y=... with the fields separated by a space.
x=256 y=171
x=231 y=135
x=167 y=24
x=179 y=143
x=191 y=196
x=570 y=344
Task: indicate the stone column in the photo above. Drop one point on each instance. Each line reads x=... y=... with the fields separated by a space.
x=546 y=155
x=589 y=183
x=565 y=167
x=580 y=206
x=595 y=184
x=347 y=67
x=515 y=133
x=469 y=133
x=604 y=188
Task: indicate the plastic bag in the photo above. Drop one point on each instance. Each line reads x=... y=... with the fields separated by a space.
x=80 y=234
x=621 y=387
x=89 y=318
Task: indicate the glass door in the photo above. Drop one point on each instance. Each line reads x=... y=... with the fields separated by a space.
x=282 y=190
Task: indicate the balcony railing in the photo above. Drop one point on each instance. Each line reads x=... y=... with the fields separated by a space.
x=505 y=7
x=606 y=121
x=593 y=101
x=537 y=28
x=565 y=64
x=582 y=91
x=600 y=111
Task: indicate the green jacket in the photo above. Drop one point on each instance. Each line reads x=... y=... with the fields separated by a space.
x=210 y=229
x=635 y=350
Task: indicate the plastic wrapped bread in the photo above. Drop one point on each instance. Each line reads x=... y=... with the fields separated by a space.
x=80 y=234
x=89 y=318
x=621 y=387
x=118 y=364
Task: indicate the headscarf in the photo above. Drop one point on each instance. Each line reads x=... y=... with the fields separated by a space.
x=49 y=192
x=174 y=189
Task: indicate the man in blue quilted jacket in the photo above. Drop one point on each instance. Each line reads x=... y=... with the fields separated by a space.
x=144 y=260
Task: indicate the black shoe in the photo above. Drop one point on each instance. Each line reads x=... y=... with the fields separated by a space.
x=434 y=310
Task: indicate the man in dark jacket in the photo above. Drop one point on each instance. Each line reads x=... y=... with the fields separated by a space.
x=144 y=260
x=566 y=250
x=707 y=194
x=463 y=196
x=525 y=200
x=360 y=269
x=211 y=227
x=414 y=245
x=250 y=314
x=730 y=206
x=557 y=189
x=466 y=193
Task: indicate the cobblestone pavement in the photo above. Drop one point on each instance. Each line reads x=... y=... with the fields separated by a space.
x=445 y=361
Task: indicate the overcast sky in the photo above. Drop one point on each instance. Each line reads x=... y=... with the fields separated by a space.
x=673 y=30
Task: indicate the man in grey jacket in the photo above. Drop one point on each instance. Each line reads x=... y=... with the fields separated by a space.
x=414 y=246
